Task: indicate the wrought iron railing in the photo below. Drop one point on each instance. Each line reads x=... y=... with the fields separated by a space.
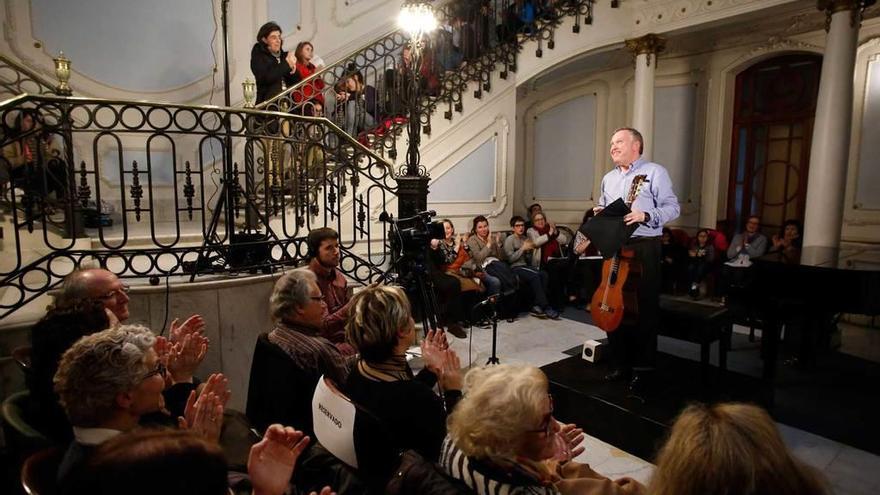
x=135 y=186
x=16 y=79
x=477 y=37
x=142 y=181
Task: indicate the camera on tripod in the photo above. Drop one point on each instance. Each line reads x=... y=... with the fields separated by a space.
x=412 y=235
x=410 y=242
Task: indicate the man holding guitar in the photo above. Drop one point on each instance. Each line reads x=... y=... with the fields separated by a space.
x=634 y=345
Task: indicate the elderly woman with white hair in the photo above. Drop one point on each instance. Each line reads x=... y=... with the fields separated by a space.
x=503 y=438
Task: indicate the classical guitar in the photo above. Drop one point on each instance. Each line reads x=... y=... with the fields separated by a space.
x=607 y=306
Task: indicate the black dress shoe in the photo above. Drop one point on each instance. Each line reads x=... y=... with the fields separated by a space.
x=456 y=330
x=616 y=374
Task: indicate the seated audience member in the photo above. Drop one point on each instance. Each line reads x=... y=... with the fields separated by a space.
x=310 y=97
x=355 y=104
x=447 y=286
x=586 y=265
x=33 y=154
x=324 y=252
x=503 y=435
x=789 y=244
x=50 y=337
x=549 y=242
x=91 y=300
x=455 y=257
x=109 y=380
x=274 y=69
x=730 y=448
x=750 y=243
x=530 y=212
x=701 y=257
x=151 y=461
x=297 y=308
x=520 y=251
x=406 y=412
x=671 y=261
x=487 y=251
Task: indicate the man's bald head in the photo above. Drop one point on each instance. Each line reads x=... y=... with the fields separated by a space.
x=94 y=284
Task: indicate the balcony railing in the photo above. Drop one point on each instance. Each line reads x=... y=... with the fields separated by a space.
x=366 y=92
x=142 y=181
x=16 y=79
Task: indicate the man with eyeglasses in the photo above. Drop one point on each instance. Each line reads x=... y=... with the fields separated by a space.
x=95 y=284
x=91 y=300
x=634 y=345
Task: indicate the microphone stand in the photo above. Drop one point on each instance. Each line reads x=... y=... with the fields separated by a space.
x=493 y=315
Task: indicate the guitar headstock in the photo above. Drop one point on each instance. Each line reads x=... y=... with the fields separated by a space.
x=635 y=189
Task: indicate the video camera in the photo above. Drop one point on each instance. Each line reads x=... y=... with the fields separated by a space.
x=419 y=232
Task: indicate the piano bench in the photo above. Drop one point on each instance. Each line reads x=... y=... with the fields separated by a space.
x=699 y=323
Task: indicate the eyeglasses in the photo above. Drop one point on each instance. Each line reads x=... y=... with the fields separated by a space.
x=116 y=292
x=160 y=370
x=519 y=225
x=317 y=298
x=549 y=420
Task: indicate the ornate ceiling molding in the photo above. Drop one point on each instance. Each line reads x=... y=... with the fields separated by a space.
x=778 y=43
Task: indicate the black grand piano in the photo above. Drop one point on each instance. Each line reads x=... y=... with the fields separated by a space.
x=810 y=286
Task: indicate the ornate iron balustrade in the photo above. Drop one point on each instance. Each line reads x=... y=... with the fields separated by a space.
x=489 y=35
x=16 y=80
x=142 y=179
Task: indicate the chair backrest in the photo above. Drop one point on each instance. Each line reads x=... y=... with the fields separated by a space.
x=21 y=436
x=333 y=419
x=40 y=470
x=279 y=391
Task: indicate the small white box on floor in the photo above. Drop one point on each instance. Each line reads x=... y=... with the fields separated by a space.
x=594 y=350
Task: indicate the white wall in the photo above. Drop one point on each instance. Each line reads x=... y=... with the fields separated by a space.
x=166 y=50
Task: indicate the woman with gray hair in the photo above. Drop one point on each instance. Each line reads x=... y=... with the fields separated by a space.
x=105 y=382
x=503 y=438
x=405 y=411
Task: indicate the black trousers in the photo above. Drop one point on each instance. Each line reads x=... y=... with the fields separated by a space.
x=634 y=345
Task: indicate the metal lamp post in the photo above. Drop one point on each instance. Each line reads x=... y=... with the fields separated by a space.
x=418 y=20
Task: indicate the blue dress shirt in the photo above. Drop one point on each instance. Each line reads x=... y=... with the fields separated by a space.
x=656 y=197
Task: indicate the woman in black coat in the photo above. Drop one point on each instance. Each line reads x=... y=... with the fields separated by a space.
x=273 y=68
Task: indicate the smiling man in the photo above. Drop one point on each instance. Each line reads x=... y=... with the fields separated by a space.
x=634 y=346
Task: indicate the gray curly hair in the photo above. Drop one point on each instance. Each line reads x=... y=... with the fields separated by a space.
x=291 y=291
x=97 y=368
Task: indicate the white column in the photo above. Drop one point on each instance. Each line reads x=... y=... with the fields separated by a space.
x=829 y=152
x=645 y=50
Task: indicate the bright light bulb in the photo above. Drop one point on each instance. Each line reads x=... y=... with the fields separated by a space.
x=417 y=19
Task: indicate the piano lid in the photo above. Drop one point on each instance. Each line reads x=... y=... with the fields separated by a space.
x=826 y=257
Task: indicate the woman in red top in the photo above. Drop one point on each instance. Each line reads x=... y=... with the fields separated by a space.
x=309 y=98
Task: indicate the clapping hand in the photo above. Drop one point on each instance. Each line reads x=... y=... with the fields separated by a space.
x=203 y=416
x=450 y=377
x=272 y=459
x=185 y=356
x=574 y=437
x=433 y=347
x=193 y=324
